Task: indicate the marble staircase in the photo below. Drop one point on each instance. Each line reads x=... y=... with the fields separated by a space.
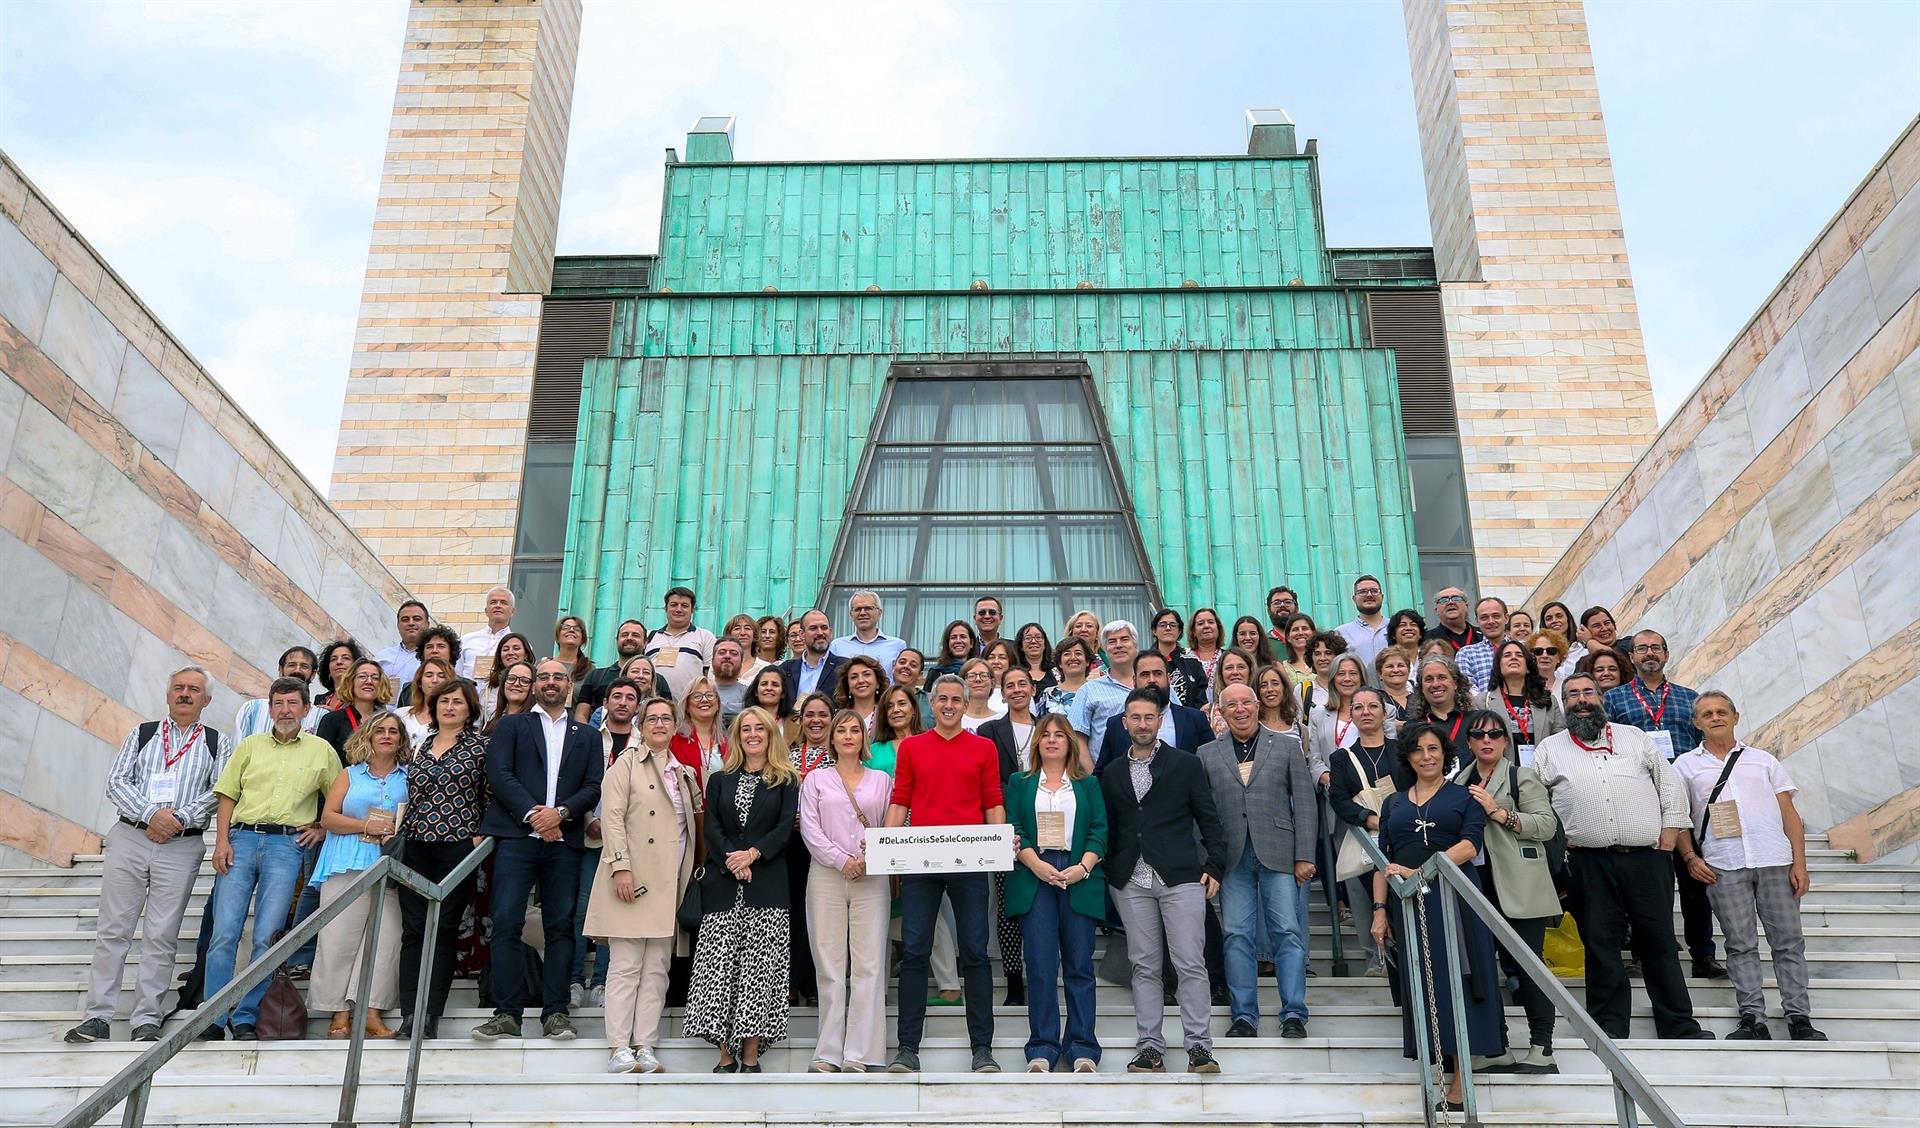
x=1863 y=932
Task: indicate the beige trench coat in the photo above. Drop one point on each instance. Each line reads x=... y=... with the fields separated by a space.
x=642 y=837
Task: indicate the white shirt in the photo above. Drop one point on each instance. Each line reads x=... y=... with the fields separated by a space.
x=475 y=645
x=1022 y=741
x=1624 y=794
x=1060 y=802
x=1755 y=785
x=555 y=731
x=692 y=651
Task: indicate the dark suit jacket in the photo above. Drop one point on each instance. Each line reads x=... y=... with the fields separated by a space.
x=829 y=677
x=1162 y=828
x=1190 y=731
x=1000 y=731
x=768 y=828
x=517 y=776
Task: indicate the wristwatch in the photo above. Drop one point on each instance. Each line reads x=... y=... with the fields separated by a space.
x=564 y=813
x=1379 y=906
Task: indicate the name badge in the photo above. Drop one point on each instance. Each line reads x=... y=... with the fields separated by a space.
x=1723 y=819
x=1663 y=743
x=1246 y=771
x=1052 y=826
x=1526 y=754
x=482 y=667
x=163 y=789
x=667 y=659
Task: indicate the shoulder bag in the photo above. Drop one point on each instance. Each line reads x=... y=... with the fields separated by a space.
x=1556 y=846
x=1353 y=860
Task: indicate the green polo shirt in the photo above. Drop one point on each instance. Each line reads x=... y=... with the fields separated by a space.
x=271 y=782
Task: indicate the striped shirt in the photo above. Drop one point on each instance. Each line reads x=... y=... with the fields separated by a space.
x=253 y=719
x=140 y=772
x=1620 y=793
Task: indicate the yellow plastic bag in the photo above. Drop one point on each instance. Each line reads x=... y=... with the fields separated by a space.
x=1563 y=951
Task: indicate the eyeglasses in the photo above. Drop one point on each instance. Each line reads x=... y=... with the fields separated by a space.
x=703 y=697
x=519 y=681
x=1546 y=651
x=1487 y=734
x=1650 y=648
x=1366 y=591
x=659 y=720
x=1451 y=599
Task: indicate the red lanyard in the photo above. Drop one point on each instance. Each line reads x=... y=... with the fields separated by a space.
x=353 y=719
x=1605 y=746
x=1523 y=720
x=1453 y=734
x=1340 y=729
x=1666 y=690
x=808 y=762
x=167 y=753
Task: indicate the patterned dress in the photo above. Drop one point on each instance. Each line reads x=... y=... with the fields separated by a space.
x=739 y=987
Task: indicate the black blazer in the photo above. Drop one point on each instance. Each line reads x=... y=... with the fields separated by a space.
x=829 y=677
x=768 y=828
x=1163 y=828
x=517 y=776
x=1000 y=731
x=1190 y=731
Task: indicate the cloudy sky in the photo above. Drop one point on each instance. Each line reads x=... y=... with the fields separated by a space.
x=225 y=156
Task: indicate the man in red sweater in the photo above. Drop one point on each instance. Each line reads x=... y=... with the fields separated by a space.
x=946 y=776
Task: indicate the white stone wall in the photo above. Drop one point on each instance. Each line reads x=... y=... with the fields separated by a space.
x=145 y=523
x=1772 y=532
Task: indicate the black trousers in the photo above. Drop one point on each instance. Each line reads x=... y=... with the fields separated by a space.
x=433 y=860
x=1696 y=915
x=520 y=865
x=1610 y=891
x=800 y=974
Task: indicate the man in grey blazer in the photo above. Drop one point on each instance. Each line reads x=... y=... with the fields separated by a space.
x=1264 y=792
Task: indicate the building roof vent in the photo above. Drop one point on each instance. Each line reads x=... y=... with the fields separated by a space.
x=1270 y=133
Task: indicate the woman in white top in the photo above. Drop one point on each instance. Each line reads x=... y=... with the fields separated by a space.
x=983 y=696
x=1330 y=726
x=1558 y=618
x=847 y=908
x=432 y=674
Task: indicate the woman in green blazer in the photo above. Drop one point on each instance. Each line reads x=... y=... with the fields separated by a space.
x=1058 y=892
x=1518 y=880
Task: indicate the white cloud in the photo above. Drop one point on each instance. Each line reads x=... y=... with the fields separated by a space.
x=287 y=367
x=124 y=207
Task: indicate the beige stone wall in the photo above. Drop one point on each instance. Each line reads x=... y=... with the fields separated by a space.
x=145 y=523
x=433 y=432
x=1771 y=529
x=1549 y=371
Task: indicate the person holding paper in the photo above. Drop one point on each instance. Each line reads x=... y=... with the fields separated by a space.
x=363 y=810
x=1158 y=798
x=1058 y=892
x=1752 y=857
x=946 y=776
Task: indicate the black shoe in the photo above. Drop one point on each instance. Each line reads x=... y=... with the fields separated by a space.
x=147 y=1032
x=498 y=1027
x=983 y=1060
x=1293 y=1028
x=214 y=1033
x=905 y=1061
x=243 y=1032
x=1241 y=1028
x=1168 y=998
x=1221 y=998
x=92 y=1030
x=1800 y=1029
x=1200 y=1060
x=1708 y=968
x=1147 y=1061
x=1016 y=991
x=1697 y=1036
x=745 y=1068
x=1751 y=1029
x=727 y=1067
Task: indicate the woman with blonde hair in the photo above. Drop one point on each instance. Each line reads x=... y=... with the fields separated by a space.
x=699 y=741
x=848 y=909
x=1085 y=626
x=363 y=810
x=738 y=998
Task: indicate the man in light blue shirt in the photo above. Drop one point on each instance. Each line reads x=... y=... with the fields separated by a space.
x=1366 y=635
x=298 y=663
x=1105 y=697
x=401 y=660
x=864 y=609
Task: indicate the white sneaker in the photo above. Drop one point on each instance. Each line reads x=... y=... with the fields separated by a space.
x=622 y=1061
x=1039 y=1065
x=645 y=1062
x=598 y=996
x=575 y=993
x=1085 y=1065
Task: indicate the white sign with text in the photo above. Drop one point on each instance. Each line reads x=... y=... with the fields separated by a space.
x=939 y=849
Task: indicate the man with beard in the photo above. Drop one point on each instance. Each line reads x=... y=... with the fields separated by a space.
x=628 y=641
x=1282 y=604
x=1366 y=635
x=815 y=668
x=1624 y=809
x=727 y=658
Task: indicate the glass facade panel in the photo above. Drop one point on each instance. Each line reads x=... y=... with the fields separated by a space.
x=1440 y=521
x=536 y=592
x=544 y=490
x=996 y=486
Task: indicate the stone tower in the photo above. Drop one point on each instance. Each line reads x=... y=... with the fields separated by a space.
x=433 y=433
x=1549 y=370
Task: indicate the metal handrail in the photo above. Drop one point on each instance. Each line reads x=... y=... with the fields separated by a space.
x=134 y=1083
x=1630 y=1087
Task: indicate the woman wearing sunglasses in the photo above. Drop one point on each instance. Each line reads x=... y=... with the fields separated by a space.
x=1516 y=876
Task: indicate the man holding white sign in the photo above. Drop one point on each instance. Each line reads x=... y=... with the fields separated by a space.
x=946 y=777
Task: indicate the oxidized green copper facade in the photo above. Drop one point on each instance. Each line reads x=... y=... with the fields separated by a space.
x=1259 y=439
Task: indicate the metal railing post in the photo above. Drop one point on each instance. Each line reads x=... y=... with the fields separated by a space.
x=1331 y=884
x=417 y=1021
x=1455 y=943
x=357 y=1039
x=136 y=1114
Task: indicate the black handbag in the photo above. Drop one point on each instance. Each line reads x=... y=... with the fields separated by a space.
x=692 y=907
x=1556 y=846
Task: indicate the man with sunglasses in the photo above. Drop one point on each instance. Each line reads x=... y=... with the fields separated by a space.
x=1663 y=709
x=987 y=617
x=1450 y=613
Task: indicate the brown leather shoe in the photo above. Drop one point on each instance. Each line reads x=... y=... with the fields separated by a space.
x=341 y=1026
x=375 y=1027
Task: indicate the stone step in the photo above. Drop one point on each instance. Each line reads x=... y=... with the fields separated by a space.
x=882 y=1101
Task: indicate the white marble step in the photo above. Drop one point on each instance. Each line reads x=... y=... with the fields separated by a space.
x=877 y=1100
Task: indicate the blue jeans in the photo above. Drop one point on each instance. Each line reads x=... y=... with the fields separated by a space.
x=972 y=897
x=589 y=862
x=266 y=869
x=308 y=905
x=1056 y=935
x=1250 y=893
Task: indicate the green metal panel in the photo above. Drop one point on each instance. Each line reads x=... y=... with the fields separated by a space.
x=1243 y=466
x=943 y=225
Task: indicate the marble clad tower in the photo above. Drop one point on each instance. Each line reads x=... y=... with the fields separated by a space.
x=1549 y=370
x=433 y=433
